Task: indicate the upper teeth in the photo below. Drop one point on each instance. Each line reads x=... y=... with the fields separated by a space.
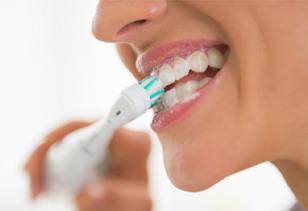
x=166 y=75
x=198 y=61
x=181 y=68
x=216 y=58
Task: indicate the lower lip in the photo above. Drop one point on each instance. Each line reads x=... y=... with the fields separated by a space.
x=166 y=119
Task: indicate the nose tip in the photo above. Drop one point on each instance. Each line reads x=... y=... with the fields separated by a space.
x=119 y=21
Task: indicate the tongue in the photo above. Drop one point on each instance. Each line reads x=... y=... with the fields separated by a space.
x=194 y=76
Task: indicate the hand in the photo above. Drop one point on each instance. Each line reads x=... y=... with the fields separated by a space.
x=124 y=185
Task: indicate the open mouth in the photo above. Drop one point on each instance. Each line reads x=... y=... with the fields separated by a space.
x=185 y=76
x=187 y=72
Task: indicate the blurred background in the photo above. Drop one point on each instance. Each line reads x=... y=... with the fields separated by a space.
x=53 y=71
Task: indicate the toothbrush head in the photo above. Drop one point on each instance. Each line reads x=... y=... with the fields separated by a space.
x=153 y=87
x=136 y=100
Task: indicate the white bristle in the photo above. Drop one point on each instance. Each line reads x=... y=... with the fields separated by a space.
x=154 y=88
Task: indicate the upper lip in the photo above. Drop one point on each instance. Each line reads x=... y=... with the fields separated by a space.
x=156 y=57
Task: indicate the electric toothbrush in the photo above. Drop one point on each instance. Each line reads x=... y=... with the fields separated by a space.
x=72 y=161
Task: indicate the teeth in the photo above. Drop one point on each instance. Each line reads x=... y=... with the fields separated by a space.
x=191 y=86
x=170 y=98
x=198 y=61
x=181 y=68
x=204 y=81
x=216 y=58
x=181 y=93
x=166 y=75
x=159 y=107
x=184 y=90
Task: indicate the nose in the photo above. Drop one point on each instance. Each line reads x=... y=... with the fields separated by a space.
x=126 y=20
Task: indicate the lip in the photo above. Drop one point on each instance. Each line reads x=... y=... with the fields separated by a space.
x=156 y=57
x=166 y=119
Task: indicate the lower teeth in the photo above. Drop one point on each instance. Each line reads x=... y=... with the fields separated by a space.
x=181 y=93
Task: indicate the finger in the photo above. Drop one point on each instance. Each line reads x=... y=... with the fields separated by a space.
x=129 y=153
x=34 y=165
x=114 y=195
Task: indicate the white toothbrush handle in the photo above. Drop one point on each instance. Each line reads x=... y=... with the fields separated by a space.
x=71 y=162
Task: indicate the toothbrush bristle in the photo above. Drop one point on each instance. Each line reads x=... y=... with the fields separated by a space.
x=154 y=88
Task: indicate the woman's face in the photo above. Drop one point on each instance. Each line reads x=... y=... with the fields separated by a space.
x=254 y=109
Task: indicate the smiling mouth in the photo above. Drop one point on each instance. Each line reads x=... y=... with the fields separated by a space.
x=187 y=70
x=184 y=77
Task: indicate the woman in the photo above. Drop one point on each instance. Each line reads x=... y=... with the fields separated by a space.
x=244 y=103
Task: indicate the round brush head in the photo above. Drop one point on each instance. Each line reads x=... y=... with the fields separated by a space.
x=153 y=87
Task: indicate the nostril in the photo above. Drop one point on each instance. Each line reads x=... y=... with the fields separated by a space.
x=132 y=25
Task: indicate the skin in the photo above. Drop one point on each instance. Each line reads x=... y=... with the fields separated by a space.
x=258 y=113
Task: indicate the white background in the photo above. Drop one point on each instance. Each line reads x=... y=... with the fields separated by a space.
x=53 y=70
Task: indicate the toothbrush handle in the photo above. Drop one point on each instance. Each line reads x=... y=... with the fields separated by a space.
x=71 y=162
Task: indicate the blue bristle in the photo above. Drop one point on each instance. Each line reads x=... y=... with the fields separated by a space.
x=151 y=83
x=148 y=83
x=157 y=93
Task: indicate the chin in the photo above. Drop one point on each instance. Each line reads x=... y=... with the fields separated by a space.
x=196 y=158
x=186 y=178
x=186 y=174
